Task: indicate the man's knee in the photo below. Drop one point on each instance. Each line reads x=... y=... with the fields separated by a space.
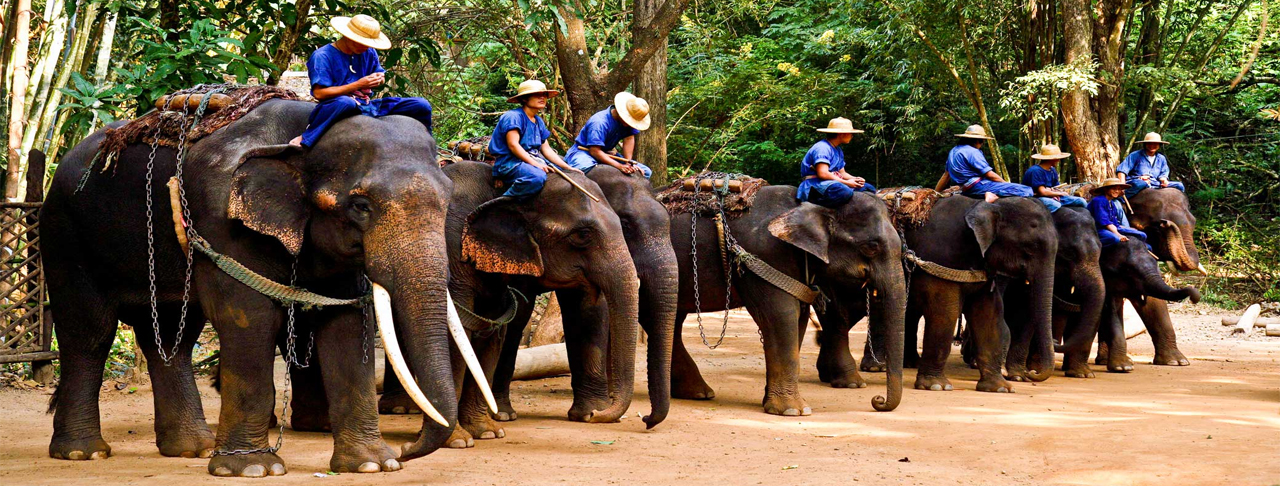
x=867 y=187
x=644 y=169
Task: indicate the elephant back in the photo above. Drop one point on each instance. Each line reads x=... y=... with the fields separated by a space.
x=708 y=193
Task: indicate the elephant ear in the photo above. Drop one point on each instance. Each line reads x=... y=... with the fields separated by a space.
x=268 y=195
x=497 y=239
x=982 y=220
x=807 y=227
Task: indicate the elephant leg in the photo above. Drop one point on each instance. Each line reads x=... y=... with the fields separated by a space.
x=940 y=314
x=506 y=366
x=247 y=324
x=1155 y=316
x=686 y=380
x=835 y=364
x=348 y=385
x=473 y=410
x=1075 y=362
x=1111 y=332
x=394 y=400
x=968 y=350
x=983 y=318
x=778 y=321
x=180 y=425
x=308 y=402
x=586 y=338
x=86 y=328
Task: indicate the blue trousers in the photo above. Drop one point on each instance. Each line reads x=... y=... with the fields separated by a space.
x=1108 y=238
x=1139 y=185
x=1054 y=204
x=333 y=110
x=1002 y=189
x=833 y=194
x=584 y=162
x=523 y=181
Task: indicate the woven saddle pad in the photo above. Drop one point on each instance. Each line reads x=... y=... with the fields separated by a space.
x=680 y=197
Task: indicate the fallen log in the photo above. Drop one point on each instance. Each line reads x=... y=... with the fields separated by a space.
x=1261 y=322
x=711 y=184
x=217 y=102
x=1133 y=325
x=541 y=362
x=1246 y=321
x=1273 y=330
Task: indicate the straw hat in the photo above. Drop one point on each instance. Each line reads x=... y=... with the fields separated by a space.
x=839 y=125
x=1152 y=137
x=633 y=110
x=1050 y=151
x=529 y=87
x=1110 y=182
x=362 y=29
x=975 y=131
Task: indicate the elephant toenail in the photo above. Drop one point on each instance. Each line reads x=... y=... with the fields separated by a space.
x=277 y=469
x=488 y=434
x=98 y=455
x=207 y=453
x=502 y=433
x=369 y=467
x=254 y=471
x=935 y=387
x=948 y=388
x=391 y=465
x=806 y=411
x=1002 y=390
x=222 y=471
x=791 y=412
x=76 y=455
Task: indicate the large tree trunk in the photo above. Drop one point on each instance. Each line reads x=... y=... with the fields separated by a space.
x=289 y=40
x=1093 y=127
x=651 y=84
x=17 y=100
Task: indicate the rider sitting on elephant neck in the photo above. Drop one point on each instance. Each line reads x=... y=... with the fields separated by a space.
x=343 y=75
x=520 y=143
x=1111 y=223
x=1042 y=177
x=825 y=181
x=1147 y=168
x=967 y=167
x=605 y=130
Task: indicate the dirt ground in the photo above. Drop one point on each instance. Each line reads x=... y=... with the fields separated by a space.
x=1215 y=422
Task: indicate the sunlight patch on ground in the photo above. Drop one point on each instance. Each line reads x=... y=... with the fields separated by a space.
x=1223 y=379
x=1103 y=477
x=1254 y=421
x=824 y=429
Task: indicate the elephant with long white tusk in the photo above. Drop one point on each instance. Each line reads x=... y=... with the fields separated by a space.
x=387 y=328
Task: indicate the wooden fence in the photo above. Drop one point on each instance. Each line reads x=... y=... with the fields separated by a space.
x=26 y=329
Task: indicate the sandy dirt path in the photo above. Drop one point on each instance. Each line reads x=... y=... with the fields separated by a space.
x=1215 y=422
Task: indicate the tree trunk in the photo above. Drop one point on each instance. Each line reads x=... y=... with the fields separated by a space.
x=651 y=84
x=288 y=41
x=103 y=63
x=1093 y=127
x=169 y=21
x=51 y=120
x=17 y=100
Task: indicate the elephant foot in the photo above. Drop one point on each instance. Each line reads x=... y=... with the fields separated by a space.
x=691 y=388
x=1014 y=373
x=583 y=409
x=310 y=422
x=258 y=465
x=189 y=444
x=1119 y=363
x=506 y=413
x=994 y=384
x=460 y=439
x=1077 y=370
x=933 y=383
x=364 y=458
x=872 y=365
x=848 y=379
x=792 y=406
x=79 y=450
x=1103 y=352
x=397 y=404
x=483 y=427
x=1170 y=357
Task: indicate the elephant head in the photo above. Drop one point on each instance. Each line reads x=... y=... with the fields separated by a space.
x=564 y=240
x=369 y=204
x=1165 y=215
x=1018 y=240
x=1078 y=276
x=857 y=246
x=1132 y=272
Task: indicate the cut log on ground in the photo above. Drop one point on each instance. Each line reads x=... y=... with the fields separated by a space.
x=541 y=362
x=1260 y=322
x=550 y=329
x=1273 y=330
x=1133 y=325
x=1245 y=324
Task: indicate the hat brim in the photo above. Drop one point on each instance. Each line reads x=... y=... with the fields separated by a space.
x=1143 y=142
x=343 y=26
x=841 y=130
x=970 y=135
x=551 y=93
x=1099 y=189
x=1062 y=155
x=621 y=99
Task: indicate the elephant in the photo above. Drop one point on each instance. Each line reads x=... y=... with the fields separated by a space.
x=1165 y=215
x=841 y=250
x=562 y=241
x=1013 y=240
x=368 y=200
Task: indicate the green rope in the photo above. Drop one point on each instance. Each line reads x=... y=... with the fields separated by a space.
x=510 y=315
x=284 y=294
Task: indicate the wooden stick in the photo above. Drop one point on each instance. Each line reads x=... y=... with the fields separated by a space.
x=622 y=159
x=566 y=177
x=1126 y=203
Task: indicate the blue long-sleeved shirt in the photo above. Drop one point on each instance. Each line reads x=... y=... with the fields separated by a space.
x=1137 y=165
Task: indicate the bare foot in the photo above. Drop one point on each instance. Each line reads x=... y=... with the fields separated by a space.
x=296 y=142
x=992 y=197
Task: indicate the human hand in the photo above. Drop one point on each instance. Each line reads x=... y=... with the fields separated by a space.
x=1124 y=238
x=371 y=81
x=542 y=167
x=1164 y=183
x=859 y=180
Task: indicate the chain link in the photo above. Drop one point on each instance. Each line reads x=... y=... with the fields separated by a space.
x=726 y=243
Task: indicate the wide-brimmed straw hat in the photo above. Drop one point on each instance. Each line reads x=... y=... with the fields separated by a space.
x=362 y=29
x=532 y=86
x=1110 y=182
x=975 y=131
x=632 y=109
x=1050 y=151
x=1152 y=137
x=839 y=125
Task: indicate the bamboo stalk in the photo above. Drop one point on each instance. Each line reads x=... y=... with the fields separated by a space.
x=22 y=33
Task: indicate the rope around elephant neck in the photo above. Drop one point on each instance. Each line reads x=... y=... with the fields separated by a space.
x=514 y=295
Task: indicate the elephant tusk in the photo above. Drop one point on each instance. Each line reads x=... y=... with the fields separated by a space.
x=1202 y=270
x=386 y=327
x=468 y=354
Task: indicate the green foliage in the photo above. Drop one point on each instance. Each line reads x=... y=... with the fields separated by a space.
x=1037 y=96
x=91 y=105
x=199 y=56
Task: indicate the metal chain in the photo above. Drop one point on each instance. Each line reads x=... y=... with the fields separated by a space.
x=365 y=288
x=693 y=238
x=870 y=339
x=151 y=248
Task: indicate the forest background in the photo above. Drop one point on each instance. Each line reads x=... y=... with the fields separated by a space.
x=740 y=85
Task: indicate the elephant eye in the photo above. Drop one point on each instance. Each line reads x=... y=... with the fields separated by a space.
x=582 y=237
x=361 y=204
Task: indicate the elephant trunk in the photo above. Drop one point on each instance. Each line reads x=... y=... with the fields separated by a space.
x=891 y=313
x=1180 y=246
x=1155 y=286
x=1042 y=326
x=659 y=290
x=622 y=294
x=1092 y=291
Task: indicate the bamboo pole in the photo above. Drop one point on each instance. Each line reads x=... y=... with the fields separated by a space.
x=103 y=65
x=52 y=118
x=17 y=100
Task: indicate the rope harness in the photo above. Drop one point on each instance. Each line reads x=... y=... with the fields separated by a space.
x=1061 y=304
x=909 y=257
x=514 y=296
